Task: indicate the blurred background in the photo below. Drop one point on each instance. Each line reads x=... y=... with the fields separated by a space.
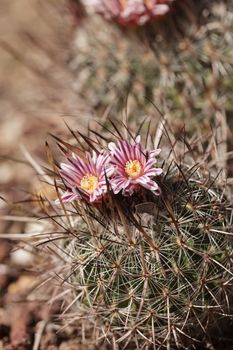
x=35 y=84
x=35 y=96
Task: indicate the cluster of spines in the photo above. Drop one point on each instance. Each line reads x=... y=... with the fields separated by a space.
x=165 y=279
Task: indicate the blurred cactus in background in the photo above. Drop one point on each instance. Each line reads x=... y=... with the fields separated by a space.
x=182 y=62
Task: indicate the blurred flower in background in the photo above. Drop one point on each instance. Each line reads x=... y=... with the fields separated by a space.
x=130 y=12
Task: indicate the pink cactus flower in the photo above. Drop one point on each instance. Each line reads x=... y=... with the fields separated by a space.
x=134 y=167
x=86 y=178
x=130 y=12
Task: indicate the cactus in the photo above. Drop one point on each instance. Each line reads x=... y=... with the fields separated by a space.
x=151 y=270
x=187 y=74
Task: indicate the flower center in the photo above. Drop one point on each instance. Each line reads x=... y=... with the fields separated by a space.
x=133 y=168
x=89 y=183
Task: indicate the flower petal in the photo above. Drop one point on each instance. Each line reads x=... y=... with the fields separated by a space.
x=67 y=197
x=121 y=179
x=147 y=183
x=94 y=168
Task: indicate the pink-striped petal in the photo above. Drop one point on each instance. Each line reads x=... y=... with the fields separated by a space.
x=136 y=159
x=95 y=168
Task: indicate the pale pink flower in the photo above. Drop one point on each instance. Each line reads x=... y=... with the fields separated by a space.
x=86 y=178
x=134 y=167
x=130 y=11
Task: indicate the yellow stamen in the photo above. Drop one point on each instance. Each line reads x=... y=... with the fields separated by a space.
x=89 y=183
x=133 y=168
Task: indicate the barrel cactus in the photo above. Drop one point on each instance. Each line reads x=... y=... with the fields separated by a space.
x=148 y=253
x=181 y=63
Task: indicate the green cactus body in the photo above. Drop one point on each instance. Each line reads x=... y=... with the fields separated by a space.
x=163 y=277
